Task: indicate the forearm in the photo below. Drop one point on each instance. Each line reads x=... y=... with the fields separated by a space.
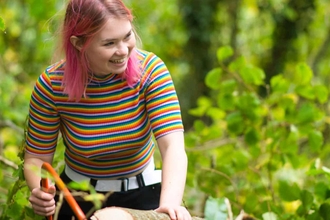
x=32 y=169
x=173 y=177
x=174 y=168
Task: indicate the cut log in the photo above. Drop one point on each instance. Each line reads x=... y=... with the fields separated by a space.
x=130 y=214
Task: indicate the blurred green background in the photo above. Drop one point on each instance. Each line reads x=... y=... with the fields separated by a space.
x=253 y=81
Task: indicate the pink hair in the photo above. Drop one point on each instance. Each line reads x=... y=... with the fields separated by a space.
x=83 y=19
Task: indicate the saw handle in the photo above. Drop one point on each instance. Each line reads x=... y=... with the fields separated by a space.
x=67 y=195
x=45 y=187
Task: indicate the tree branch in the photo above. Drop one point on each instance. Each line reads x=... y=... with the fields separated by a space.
x=8 y=162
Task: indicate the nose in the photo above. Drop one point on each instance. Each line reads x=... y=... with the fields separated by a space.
x=122 y=49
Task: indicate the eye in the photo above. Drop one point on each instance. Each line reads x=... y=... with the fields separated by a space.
x=128 y=35
x=109 y=43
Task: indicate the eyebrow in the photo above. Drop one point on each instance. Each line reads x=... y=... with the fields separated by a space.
x=107 y=40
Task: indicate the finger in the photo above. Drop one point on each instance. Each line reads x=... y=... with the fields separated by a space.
x=172 y=214
x=38 y=193
x=179 y=215
x=44 y=211
x=52 y=190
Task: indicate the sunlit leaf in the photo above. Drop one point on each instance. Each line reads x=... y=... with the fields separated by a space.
x=315 y=140
x=321 y=93
x=203 y=103
x=228 y=86
x=199 y=125
x=289 y=192
x=2 y=24
x=224 y=53
x=212 y=78
x=306 y=113
x=216 y=113
x=303 y=74
x=252 y=75
x=215 y=208
x=279 y=83
x=306 y=91
x=269 y=216
x=226 y=101
x=84 y=185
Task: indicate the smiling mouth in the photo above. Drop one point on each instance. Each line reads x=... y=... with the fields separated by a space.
x=118 y=61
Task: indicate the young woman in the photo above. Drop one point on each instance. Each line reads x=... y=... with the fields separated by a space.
x=108 y=99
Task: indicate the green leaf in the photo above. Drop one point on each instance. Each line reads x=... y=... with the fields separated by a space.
x=251 y=137
x=215 y=113
x=315 y=140
x=212 y=78
x=306 y=199
x=84 y=185
x=306 y=91
x=226 y=101
x=252 y=75
x=2 y=24
x=313 y=216
x=306 y=113
x=289 y=192
x=269 y=216
x=325 y=210
x=279 y=84
x=321 y=93
x=228 y=86
x=235 y=122
x=199 y=126
x=224 y=53
x=303 y=74
x=203 y=103
x=216 y=208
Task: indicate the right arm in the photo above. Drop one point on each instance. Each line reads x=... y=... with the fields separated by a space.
x=43 y=203
x=41 y=141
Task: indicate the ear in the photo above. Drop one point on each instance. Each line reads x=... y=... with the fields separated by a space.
x=76 y=42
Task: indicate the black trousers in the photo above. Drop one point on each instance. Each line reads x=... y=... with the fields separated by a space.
x=144 y=198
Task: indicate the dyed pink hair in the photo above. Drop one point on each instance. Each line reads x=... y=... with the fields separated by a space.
x=83 y=19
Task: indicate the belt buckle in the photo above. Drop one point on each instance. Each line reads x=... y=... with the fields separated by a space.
x=124 y=184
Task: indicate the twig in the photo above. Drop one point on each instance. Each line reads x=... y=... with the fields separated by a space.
x=226 y=177
x=212 y=144
x=10 y=124
x=8 y=162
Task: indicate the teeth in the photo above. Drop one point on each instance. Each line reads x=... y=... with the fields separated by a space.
x=117 y=61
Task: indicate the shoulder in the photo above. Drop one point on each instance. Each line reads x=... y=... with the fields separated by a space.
x=150 y=62
x=146 y=57
x=54 y=71
x=56 y=68
x=52 y=74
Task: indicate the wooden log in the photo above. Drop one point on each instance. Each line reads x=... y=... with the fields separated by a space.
x=130 y=214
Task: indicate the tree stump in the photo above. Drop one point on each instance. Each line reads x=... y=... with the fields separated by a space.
x=130 y=214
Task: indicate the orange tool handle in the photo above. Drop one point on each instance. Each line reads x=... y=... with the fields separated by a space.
x=45 y=185
x=67 y=195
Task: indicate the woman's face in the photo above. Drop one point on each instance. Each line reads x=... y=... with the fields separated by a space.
x=111 y=47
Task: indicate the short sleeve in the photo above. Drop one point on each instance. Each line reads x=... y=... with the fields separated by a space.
x=161 y=99
x=43 y=123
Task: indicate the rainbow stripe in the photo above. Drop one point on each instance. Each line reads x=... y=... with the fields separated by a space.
x=109 y=133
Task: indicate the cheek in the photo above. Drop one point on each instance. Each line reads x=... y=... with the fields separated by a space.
x=132 y=43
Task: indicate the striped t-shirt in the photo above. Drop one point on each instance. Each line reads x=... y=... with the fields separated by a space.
x=109 y=133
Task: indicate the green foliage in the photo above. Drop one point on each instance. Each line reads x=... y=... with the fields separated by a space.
x=2 y=24
x=216 y=209
x=262 y=153
x=268 y=154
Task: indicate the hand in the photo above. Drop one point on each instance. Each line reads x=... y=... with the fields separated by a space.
x=43 y=203
x=175 y=212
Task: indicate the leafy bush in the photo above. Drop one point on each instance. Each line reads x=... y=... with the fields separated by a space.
x=266 y=154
